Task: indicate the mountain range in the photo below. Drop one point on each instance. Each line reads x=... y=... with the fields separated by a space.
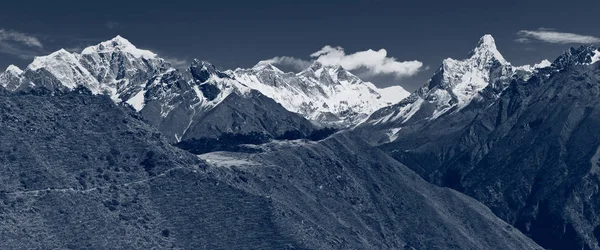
x=525 y=143
x=318 y=159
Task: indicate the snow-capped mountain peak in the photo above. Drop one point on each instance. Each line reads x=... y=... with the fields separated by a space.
x=11 y=78
x=453 y=87
x=14 y=70
x=265 y=65
x=65 y=68
x=486 y=50
x=543 y=64
x=114 y=67
x=326 y=94
x=53 y=58
x=119 y=44
x=531 y=69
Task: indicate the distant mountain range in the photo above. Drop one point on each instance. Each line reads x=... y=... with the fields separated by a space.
x=327 y=95
x=202 y=103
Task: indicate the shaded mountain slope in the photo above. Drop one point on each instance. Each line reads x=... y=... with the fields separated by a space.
x=531 y=155
x=368 y=199
x=246 y=114
x=80 y=172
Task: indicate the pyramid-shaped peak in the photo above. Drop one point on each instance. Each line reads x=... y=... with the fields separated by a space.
x=266 y=65
x=61 y=51
x=120 y=40
x=487 y=41
x=486 y=50
x=116 y=42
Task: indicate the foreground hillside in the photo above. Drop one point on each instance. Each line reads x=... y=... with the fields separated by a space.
x=79 y=172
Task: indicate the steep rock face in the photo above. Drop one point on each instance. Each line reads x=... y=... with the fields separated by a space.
x=103 y=177
x=457 y=83
x=531 y=155
x=170 y=103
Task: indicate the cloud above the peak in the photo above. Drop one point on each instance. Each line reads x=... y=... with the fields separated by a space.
x=19 y=44
x=374 y=62
x=553 y=36
x=369 y=62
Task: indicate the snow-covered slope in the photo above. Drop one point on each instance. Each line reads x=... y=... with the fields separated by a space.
x=66 y=70
x=483 y=75
x=329 y=95
x=121 y=68
x=114 y=67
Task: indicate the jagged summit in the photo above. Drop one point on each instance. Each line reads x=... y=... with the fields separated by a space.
x=334 y=71
x=582 y=55
x=204 y=70
x=315 y=65
x=199 y=63
x=117 y=44
x=203 y=65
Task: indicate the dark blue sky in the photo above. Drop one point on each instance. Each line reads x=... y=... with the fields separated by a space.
x=240 y=33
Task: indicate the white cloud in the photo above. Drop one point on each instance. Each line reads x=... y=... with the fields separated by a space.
x=19 y=44
x=552 y=36
x=375 y=62
x=18 y=37
x=295 y=63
